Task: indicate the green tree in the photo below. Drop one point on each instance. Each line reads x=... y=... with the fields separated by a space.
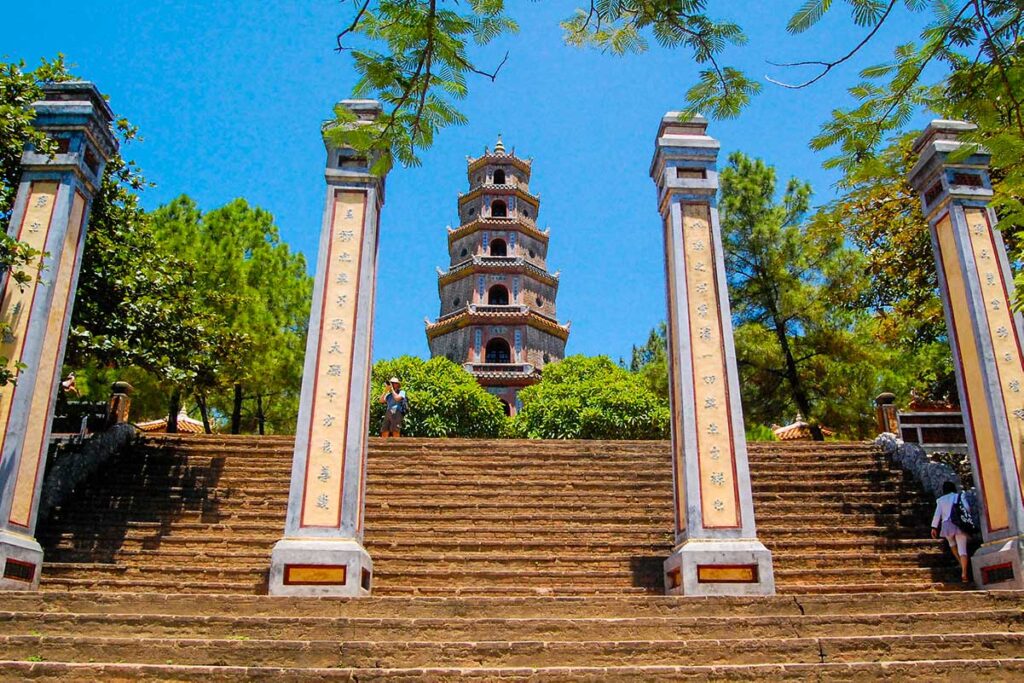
x=444 y=399
x=793 y=290
x=651 y=360
x=132 y=302
x=237 y=249
x=584 y=397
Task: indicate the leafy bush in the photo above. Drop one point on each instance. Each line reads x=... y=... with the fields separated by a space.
x=760 y=433
x=585 y=397
x=444 y=399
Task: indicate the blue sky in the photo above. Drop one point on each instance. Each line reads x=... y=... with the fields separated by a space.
x=229 y=97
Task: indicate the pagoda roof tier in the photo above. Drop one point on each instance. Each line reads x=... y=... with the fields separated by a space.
x=499 y=156
x=503 y=374
x=493 y=264
x=496 y=315
x=497 y=224
x=501 y=191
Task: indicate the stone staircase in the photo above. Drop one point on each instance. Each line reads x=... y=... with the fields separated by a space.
x=487 y=518
x=498 y=559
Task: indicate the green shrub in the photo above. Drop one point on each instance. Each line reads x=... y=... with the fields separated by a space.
x=444 y=399
x=585 y=397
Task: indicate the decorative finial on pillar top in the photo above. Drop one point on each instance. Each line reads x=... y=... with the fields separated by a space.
x=499 y=146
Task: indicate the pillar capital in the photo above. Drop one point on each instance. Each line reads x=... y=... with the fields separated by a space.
x=949 y=168
x=685 y=161
x=78 y=118
x=347 y=166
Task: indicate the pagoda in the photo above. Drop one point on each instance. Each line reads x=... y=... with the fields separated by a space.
x=497 y=297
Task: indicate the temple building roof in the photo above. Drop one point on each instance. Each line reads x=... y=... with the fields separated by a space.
x=798 y=430
x=186 y=425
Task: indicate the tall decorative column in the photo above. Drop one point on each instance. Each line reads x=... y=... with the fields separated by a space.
x=322 y=550
x=717 y=551
x=984 y=334
x=50 y=214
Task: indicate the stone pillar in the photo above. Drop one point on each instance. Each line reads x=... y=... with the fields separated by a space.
x=50 y=214
x=322 y=550
x=120 y=404
x=717 y=551
x=985 y=336
x=885 y=414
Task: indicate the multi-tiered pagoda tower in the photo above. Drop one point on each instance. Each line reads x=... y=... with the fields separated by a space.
x=497 y=296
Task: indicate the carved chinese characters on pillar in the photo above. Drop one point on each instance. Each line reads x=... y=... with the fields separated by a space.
x=17 y=300
x=60 y=275
x=975 y=397
x=719 y=499
x=329 y=413
x=1001 y=324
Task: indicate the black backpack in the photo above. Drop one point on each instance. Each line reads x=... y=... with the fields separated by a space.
x=961 y=516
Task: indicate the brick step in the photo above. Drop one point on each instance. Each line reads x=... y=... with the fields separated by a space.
x=626 y=540
x=537 y=557
x=961 y=602
x=447 y=629
x=419 y=577
x=928 y=670
x=360 y=654
x=170 y=584
x=412 y=517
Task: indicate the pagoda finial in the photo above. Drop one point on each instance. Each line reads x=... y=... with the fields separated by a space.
x=499 y=146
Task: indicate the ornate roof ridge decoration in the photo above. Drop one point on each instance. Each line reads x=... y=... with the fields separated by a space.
x=499 y=154
x=503 y=223
x=471 y=315
x=472 y=265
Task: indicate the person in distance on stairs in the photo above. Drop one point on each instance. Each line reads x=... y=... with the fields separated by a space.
x=943 y=525
x=397 y=406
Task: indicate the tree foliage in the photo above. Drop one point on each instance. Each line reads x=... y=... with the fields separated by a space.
x=584 y=397
x=802 y=342
x=444 y=399
x=259 y=289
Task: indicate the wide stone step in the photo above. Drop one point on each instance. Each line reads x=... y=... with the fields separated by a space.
x=366 y=654
x=446 y=629
x=930 y=670
x=960 y=602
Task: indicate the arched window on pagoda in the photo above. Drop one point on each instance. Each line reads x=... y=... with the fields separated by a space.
x=497 y=296
x=498 y=351
x=499 y=177
x=499 y=209
x=499 y=248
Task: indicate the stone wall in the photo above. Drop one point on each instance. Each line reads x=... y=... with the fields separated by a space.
x=542 y=348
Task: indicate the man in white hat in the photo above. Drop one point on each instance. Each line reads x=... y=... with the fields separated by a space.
x=397 y=406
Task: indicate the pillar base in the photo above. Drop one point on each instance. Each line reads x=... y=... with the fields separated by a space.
x=21 y=562
x=321 y=567
x=999 y=565
x=720 y=568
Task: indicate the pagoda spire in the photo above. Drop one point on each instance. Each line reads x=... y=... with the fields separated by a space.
x=499 y=146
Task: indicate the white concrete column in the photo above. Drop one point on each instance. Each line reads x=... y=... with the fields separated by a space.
x=985 y=337
x=322 y=550
x=50 y=214
x=717 y=551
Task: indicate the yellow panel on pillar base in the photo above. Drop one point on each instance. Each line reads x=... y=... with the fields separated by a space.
x=742 y=567
x=327 y=567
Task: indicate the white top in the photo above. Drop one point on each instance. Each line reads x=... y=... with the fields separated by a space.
x=944 y=508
